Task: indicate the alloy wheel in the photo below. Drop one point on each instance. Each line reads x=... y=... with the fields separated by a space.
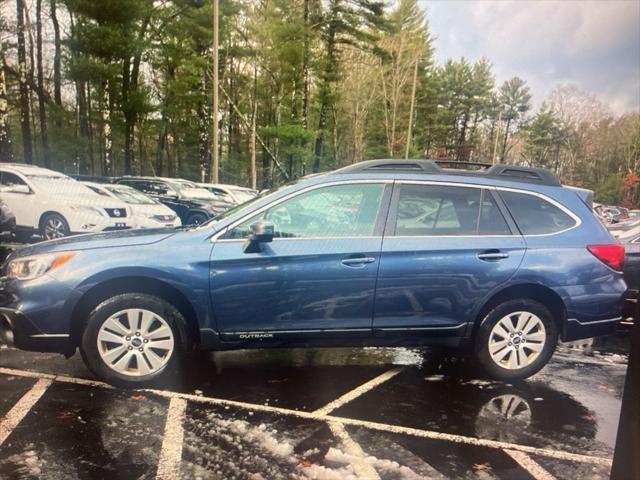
x=516 y=340
x=54 y=228
x=135 y=342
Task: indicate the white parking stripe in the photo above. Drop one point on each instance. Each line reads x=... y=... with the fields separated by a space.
x=356 y=392
x=20 y=409
x=171 y=453
x=448 y=437
x=530 y=465
x=361 y=467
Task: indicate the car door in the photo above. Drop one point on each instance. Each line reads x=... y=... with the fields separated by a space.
x=318 y=275
x=20 y=199
x=446 y=248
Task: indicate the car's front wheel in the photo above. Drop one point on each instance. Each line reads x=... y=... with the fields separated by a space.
x=516 y=339
x=133 y=339
x=54 y=225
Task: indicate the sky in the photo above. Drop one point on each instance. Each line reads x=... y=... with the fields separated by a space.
x=593 y=44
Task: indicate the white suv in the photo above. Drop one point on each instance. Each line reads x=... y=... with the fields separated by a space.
x=54 y=205
x=146 y=212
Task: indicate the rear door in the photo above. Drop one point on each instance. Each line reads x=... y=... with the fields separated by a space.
x=446 y=248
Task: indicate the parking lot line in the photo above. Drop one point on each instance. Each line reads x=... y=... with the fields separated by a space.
x=171 y=453
x=22 y=407
x=530 y=465
x=361 y=467
x=447 y=437
x=356 y=392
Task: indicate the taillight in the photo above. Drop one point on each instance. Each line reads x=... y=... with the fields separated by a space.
x=611 y=255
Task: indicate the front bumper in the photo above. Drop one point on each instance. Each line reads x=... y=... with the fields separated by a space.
x=95 y=223
x=16 y=330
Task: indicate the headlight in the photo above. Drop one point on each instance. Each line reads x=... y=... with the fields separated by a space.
x=88 y=210
x=28 y=268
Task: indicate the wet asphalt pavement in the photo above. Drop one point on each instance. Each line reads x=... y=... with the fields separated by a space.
x=376 y=413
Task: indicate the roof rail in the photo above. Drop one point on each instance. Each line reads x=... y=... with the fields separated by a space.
x=512 y=173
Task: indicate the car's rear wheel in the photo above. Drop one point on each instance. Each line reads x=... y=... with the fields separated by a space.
x=133 y=339
x=54 y=225
x=516 y=339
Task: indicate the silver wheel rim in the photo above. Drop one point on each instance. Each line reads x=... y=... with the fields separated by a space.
x=516 y=340
x=135 y=342
x=54 y=228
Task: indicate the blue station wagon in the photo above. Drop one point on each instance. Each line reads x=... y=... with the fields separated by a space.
x=502 y=262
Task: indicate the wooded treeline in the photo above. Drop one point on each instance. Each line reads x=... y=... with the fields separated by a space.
x=124 y=87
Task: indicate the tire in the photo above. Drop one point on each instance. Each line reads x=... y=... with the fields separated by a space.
x=196 y=219
x=521 y=349
x=53 y=225
x=118 y=355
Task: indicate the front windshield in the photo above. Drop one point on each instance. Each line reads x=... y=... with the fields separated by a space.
x=59 y=184
x=254 y=198
x=130 y=196
x=243 y=195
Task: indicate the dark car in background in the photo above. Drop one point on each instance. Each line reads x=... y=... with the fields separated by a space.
x=194 y=205
x=7 y=220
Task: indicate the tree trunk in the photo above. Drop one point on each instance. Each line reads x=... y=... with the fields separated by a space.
x=41 y=102
x=411 y=109
x=6 y=149
x=25 y=124
x=107 y=163
x=504 y=141
x=57 y=76
x=325 y=92
x=305 y=68
x=252 y=141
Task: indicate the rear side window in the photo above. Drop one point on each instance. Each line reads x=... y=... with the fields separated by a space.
x=433 y=210
x=535 y=215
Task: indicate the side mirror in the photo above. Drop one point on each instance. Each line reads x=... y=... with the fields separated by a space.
x=259 y=232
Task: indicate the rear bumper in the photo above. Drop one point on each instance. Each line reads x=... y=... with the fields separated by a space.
x=16 y=330
x=575 y=329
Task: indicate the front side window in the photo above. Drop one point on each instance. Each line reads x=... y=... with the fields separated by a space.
x=333 y=211
x=8 y=179
x=535 y=215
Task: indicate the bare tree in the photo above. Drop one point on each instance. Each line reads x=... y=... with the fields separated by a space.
x=40 y=77
x=25 y=124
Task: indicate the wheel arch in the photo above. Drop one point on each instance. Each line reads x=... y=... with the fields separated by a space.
x=532 y=291
x=132 y=284
x=49 y=212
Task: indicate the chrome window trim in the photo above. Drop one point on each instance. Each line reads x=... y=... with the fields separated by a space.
x=574 y=217
x=217 y=235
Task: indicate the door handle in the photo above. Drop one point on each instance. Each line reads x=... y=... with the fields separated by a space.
x=492 y=255
x=359 y=261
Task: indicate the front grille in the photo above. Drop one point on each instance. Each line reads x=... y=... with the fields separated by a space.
x=116 y=212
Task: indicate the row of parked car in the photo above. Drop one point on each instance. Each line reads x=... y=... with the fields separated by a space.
x=35 y=200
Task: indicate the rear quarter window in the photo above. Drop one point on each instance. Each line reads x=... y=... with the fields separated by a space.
x=535 y=215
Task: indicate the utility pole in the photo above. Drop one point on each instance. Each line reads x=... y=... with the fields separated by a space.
x=214 y=108
x=413 y=102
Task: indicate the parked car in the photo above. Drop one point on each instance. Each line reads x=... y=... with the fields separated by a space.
x=54 y=205
x=7 y=220
x=502 y=262
x=230 y=193
x=192 y=204
x=146 y=212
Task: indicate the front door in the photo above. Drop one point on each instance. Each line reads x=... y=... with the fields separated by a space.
x=446 y=248
x=317 y=275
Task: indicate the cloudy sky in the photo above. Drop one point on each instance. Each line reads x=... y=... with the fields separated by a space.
x=594 y=44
